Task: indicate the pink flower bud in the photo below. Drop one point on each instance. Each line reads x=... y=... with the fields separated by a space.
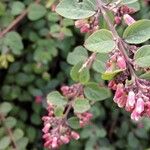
x=121 y=63
x=54 y=142
x=80 y=23
x=128 y=19
x=47 y=143
x=46 y=136
x=89 y=115
x=65 y=139
x=112 y=85
x=121 y=101
x=38 y=99
x=119 y=92
x=85 y=28
x=131 y=99
x=75 y=135
x=117 y=20
x=139 y=106
x=46 y=128
x=135 y=116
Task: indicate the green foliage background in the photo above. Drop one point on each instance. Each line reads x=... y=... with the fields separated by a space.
x=33 y=62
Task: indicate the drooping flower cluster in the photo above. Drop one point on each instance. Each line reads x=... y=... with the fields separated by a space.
x=56 y=131
x=133 y=96
x=123 y=12
x=75 y=90
x=86 y=26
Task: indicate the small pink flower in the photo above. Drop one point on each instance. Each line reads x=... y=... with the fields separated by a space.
x=46 y=128
x=75 y=135
x=128 y=19
x=139 y=108
x=121 y=63
x=85 y=28
x=112 y=85
x=135 y=116
x=65 y=139
x=54 y=142
x=131 y=100
x=121 y=102
x=47 y=143
x=117 y=20
x=80 y=23
x=119 y=92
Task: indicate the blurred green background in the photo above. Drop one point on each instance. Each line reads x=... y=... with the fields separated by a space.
x=33 y=62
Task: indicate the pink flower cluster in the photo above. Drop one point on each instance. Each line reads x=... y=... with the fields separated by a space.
x=84 y=118
x=124 y=12
x=56 y=131
x=133 y=97
x=86 y=26
x=72 y=91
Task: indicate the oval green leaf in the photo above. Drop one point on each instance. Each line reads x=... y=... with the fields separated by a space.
x=138 y=32
x=73 y=9
x=142 y=56
x=81 y=105
x=100 y=41
x=94 y=92
x=55 y=98
x=74 y=122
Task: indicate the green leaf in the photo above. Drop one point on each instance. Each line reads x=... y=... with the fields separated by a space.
x=14 y=41
x=94 y=92
x=82 y=75
x=36 y=11
x=100 y=41
x=4 y=142
x=59 y=111
x=2 y=9
x=142 y=56
x=10 y=122
x=17 y=7
x=138 y=32
x=99 y=64
x=79 y=54
x=35 y=119
x=5 y=108
x=22 y=143
x=110 y=75
x=31 y=133
x=81 y=105
x=73 y=9
x=55 y=98
x=74 y=122
x=18 y=134
x=74 y=73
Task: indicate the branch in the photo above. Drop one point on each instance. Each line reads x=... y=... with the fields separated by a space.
x=120 y=42
x=16 y=21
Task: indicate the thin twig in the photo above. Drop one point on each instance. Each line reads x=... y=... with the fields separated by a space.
x=88 y=62
x=8 y=130
x=16 y=21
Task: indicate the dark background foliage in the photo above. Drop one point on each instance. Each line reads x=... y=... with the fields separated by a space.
x=35 y=64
